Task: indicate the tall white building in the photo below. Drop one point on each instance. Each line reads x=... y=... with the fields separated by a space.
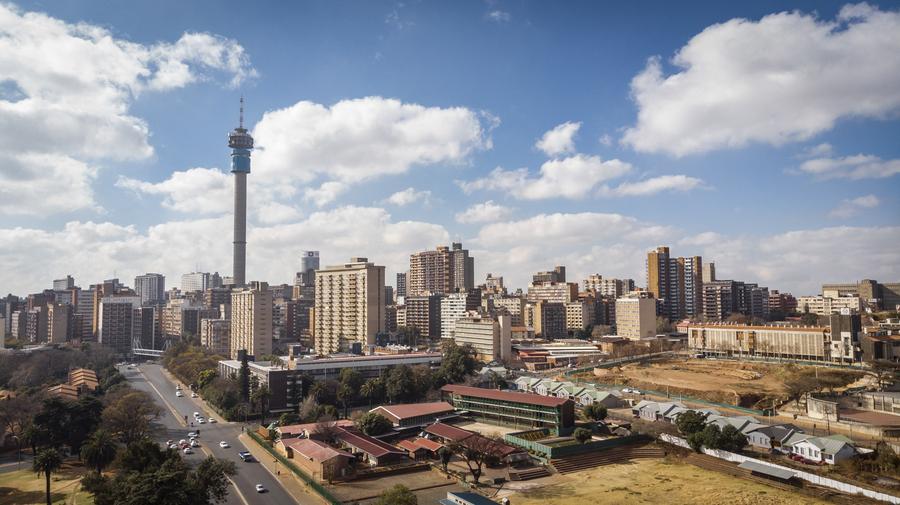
x=453 y=307
x=636 y=316
x=491 y=337
x=349 y=306
x=195 y=281
x=151 y=288
x=251 y=320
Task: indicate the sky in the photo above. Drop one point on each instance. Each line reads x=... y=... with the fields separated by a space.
x=760 y=135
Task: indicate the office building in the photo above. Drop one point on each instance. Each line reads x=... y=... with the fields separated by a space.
x=251 y=320
x=879 y=296
x=215 y=335
x=462 y=268
x=309 y=263
x=424 y=314
x=579 y=314
x=84 y=315
x=389 y=294
x=63 y=284
x=511 y=304
x=558 y=274
x=552 y=291
x=709 y=272
x=787 y=342
x=195 y=281
x=636 y=316
x=455 y=306
x=608 y=286
x=116 y=326
x=59 y=319
x=349 y=306
x=151 y=288
x=490 y=336
x=493 y=284
x=401 y=285
x=549 y=319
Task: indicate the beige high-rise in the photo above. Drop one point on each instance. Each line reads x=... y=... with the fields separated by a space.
x=636 y=316
x=251 y=320
x=349 y=306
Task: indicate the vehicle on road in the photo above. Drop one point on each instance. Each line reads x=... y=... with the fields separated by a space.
x=245 y=456
x=194 y=443
x=196 y=415
x=260 y=488
x=212 y=420
x=224 y=445
x=174 y=446
x=201 y=420
x=188 y=450
x=194 y=434
x=179 y=394
x=178 y=387
x=194 y=395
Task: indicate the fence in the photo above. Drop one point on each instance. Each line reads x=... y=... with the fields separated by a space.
x=809 y=477
x=318 y=488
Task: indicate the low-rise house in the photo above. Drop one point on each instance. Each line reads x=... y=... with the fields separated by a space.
x=771 y=437
x=739 y=422
x=420 y=448
x=568 y=391
x=449 y=434
x=369 y=450
x=829 y=450
x=411 y=415
x=527 y=384
x=609 y=399
x=304 y=430
x=317 y=458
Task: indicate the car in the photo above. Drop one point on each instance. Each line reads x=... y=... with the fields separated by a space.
x=201 y=420
x=196 y=415
x=260 y=488
x=173 y=446
x=188 y=450
x=182 y=442
x=178 y=387
x=194 y=395
x=179 y=394
x=212 y=420
x=245 y=456
x=224 y=445
x=194 y=443
x=193 y=434
x=170 y=442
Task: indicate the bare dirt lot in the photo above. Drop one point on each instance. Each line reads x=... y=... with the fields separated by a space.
x=657 y=481
x=744 y=384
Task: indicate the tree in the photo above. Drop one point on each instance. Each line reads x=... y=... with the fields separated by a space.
x=260 y=398
x=663 y=325
x=495 y=381
x=309 y=409
x=345 y=395
x=100 y=450
x=690 y=422
x=288 y=418
x=477 y=450
x=372 y=390
x=582 y=435
x=397 y=495
x=445 y=455
x=373 y=423
x=130 y=417
x=797 y=385
x=809 y=319
x=595 y=412
x=206 y=377
x=708 y=437
x=458 y=363
x=45 y=463
x=400 y=384
x=730 y=439
x=886 y=372
x=244 y=378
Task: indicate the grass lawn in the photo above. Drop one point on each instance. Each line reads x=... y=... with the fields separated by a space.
x=24 y=487
x=657 y=481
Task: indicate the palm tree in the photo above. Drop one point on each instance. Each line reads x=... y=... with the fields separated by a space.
x=100 y=450
x=260 y=397
x=345 y=395
x=46 y=462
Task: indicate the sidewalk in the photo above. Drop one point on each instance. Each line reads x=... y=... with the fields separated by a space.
x=292 y=484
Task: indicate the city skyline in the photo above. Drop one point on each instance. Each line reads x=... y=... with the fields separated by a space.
x=582 y=167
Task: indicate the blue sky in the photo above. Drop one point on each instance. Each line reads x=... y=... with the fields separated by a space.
x=756 y=178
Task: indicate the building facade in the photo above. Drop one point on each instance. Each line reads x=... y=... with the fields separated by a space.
x=455 y=306
x=349 y=306
x=151 y=288
x=215 y=335
x=636 y=316
x=251 y=320
x=490 y=336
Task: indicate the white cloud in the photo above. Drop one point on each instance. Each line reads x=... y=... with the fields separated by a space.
x=498 y=16
x=851 y=207
x=573 y=177
x=75 y=84
x=605 y=140
x=486 y=212
x=409 y=196
x=559 y=140
x=41 y=182
x=362 y=139
x=326 y=193
x=654 y=185
x=784 y=78
x=816 y=151
x=860 y=166
x=196 y=190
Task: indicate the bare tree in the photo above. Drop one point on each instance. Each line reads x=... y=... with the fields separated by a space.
x=477 y=451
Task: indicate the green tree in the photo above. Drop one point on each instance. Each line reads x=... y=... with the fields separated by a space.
x=345 y=395
x=352 y=378
x=260 y=399
x=399 y=385
x=457 y=363
x=130 y=417
x=690 y=422
x=46 y=463
x=595 y=412
x=397 y=495
x=372 y=423
x=582 y=435
x=244 y=379
x=206 y=377
x=809 y=319
x=445 y=455
x=100 y=450
x=730 y=439
x=372 y=390
x=288 y=418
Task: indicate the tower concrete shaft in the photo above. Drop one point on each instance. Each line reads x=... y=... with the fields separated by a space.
x=241 y=143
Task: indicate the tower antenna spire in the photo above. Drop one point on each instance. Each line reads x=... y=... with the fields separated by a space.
x=242 y=111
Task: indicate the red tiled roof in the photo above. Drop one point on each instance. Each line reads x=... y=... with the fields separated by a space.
x=314 y=450
x=431 y=445
x=506 y=396
x=299 y=429
x=448 y=431
x=409 y=445
x=365 y=443
x=407 y=410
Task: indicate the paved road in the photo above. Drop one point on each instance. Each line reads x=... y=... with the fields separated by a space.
x=149 y=378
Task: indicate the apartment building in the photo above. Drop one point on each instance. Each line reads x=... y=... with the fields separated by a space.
x=151 y=288
x=608 y=286
x=60 y=317
x=676 y=282
x=215 y=335
x=455 y=306
x=636 y=316
x=830 y=303
x=880 y=296
x=251 y=320
x=513 y=305
x=490 y=336
x=349 y=306
x=579 y=314
x=424 y=314
x=558 y=274
x=549 y=319
x=119 y=322
x=552 y=291
x=440 y=271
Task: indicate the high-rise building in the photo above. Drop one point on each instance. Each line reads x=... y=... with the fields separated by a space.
x=116 y=327
x=636 y=316
x=241 y=143
x=782 y=303
x=558 y=274
x=608 y=286
x=424 y=314
x=63 y=284
x=512 y=304
x=215 y=335
x=309 y=263
x=709 y=272
x=59 y=317
x=493 y=284
x=693 y=285
x=349 y=306
x=36 y=324
x=880 y=296
x=401 y=284
x=455 y=306
x=490 y=336
x=389 y=294
x=17 y=324
x=195 y=281
x=579 y=314
x=549 y=319
x=676 y=282
x=151 y=288
x=440 y=271
x=552 y=291
x=251 y=320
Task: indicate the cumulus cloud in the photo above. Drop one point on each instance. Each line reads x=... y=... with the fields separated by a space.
x=853 y=206
x=93 y=251
x=74 y=85
x=573 y=177
x=485 y=212
x=784 y=78
x=408 y=196
x=33 y=181
x=357 y=140
x=326 y=193
x=818 y=150
x=196 y=190
x=654 y=185
x=559 y=140
x=860 y=166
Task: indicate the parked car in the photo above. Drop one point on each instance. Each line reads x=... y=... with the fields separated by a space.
x=173 y=446
x=212 y=420
x=201 y=420
x=245 y=456
x=188 y=450
x=179 y=394
x=224 y=445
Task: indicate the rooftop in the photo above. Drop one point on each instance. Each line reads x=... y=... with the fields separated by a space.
x=365 y=443
x=314 y=450
x=408 y=410
x=507 y=396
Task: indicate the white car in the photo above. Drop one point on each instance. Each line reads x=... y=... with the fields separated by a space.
x=212 y=420
x=196 y=415
x=194 y=395
x=188 y=450
x=178 y=387
x=224 y=445
x=194 y=443
x=173 y=446
x=201 y=420
x=179 y=394
x=193 y=434
x=260 y=488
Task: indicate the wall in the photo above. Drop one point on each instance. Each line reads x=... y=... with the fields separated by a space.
x=809 y=477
